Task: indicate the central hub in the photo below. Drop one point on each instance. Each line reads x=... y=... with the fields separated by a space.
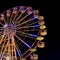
x=10 y=28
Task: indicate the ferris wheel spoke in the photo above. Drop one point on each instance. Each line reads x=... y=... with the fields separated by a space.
x=18 y=40
x=31 y=30
x=28 y=27
x=8 y=14
x=8 y=19
x=23 y=41
x=25 y=22
x=24 y=17
x=1 y=33
x=25 y=36
x=27 y=30
x=5 y=48
x=31 y=35
x=11 y=17
x=21 y=19
x=18 y=50
x=20 y=16
x=15 y=16
x=1 y=23
x=1 y=28
x=3 y=43
x=14 y=12
x=30 y=23
x=5 y=21
x=33 y=23
x=3 y=36
x=2 y=18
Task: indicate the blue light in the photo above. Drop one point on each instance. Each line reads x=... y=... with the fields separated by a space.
x=36 y=26
x=33 y=35
x=19 y=9
x=18 y=52
x=27 y=45
x=25 y=9
x=34 y=18
x=0 y=56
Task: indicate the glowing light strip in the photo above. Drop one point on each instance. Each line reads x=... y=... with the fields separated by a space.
x=27 y=45
x=28 y=27
x=19 y=16
x=18 y=52
x=25 y=22
x=1 y=23
x=28 y=34
x=36 y=26
x=33 y=35
x=23 y=18
x=34 y=18
x=33 y=23
x=23 y=41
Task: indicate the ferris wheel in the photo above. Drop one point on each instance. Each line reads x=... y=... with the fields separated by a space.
x=22 y=30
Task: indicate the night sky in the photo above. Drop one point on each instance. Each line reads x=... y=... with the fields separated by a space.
x=51 y=50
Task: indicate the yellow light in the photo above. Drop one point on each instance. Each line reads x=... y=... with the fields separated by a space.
x=43 y=32
x=8 y=14
x=23 y=58
x=40 y=38
x=42 y=27
x=2 y=18
x=33 y=50
x=41 y=18
x=41 y=45
x=15 y=12
x=36 y=11
x=42 y=23
x=34 y=57
x=29 y=7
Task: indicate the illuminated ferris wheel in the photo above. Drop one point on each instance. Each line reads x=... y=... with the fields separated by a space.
x=22 y=30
